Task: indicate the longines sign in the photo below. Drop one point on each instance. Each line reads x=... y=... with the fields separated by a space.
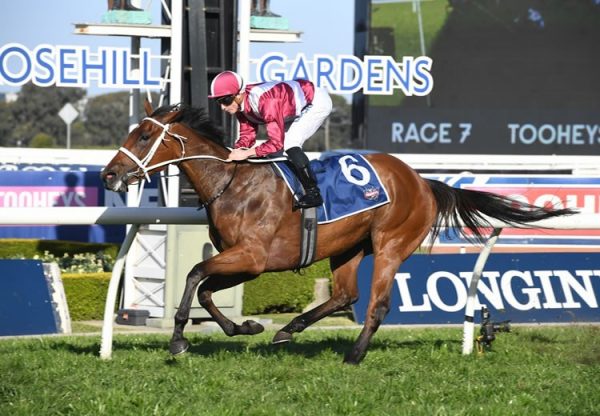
x=555 y=287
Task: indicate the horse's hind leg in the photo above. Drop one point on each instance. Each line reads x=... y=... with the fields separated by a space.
x=214 y=284
x=379 y=304
x=345 y=292
x=390 y=250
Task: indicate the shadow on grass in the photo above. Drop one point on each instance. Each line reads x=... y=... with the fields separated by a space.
x=93 y=348
x=208 y=346
x=310 y=348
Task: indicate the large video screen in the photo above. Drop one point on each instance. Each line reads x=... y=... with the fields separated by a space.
x=510 y=77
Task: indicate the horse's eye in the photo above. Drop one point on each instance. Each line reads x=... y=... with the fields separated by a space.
x=144 y=137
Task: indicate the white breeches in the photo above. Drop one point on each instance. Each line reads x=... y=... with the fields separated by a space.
x=309 y=121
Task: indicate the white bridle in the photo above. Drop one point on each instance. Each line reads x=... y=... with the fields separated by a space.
x=143 y=163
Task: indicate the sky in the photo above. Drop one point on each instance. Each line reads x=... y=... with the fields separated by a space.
x=327 y=27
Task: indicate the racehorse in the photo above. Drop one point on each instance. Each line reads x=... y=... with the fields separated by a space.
x=255 y=229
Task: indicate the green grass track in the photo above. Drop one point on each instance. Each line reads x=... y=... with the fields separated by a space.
x=531 y=371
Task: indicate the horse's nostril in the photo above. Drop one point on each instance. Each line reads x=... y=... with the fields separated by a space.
x=109 y=176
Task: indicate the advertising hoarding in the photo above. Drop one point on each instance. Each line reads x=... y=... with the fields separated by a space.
x=47 y=185
x=581 y=193
x=525 y=288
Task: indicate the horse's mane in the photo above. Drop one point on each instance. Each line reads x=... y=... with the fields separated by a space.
x=196 y=119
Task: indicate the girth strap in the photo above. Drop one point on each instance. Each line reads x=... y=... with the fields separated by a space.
x=308 y=237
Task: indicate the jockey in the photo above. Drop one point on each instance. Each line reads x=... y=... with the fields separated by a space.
x=292 y=112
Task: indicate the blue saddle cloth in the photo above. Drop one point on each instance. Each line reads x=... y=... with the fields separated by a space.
x=348 y=185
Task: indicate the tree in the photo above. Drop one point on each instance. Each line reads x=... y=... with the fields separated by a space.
x=107 y=119
x=42 y=140
x=36 y=111
x=7 y=123
x=80 y=138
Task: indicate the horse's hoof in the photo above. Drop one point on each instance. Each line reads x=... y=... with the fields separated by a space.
x=352 y=359
x=251 y=327
x=179 y=347
x=281 y=337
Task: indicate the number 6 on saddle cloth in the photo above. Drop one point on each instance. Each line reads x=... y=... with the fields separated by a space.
x=348 y=184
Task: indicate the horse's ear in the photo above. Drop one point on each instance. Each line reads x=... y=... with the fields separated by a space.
x=148 y=107
x=170 y=116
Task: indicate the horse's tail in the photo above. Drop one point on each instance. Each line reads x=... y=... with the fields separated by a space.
x=471 y=207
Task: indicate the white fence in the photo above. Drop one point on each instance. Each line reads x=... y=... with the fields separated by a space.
x=104 y=215
x=138 y=216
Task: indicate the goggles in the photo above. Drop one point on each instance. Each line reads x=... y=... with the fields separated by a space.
x=226 y=100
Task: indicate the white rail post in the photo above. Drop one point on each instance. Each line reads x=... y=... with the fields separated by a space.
x=111 y=296
x=468 y=327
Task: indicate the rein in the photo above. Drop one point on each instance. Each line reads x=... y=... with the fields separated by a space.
x=222 y=191
x=145 y=169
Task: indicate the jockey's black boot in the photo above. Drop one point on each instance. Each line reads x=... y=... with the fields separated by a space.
x=301 y=164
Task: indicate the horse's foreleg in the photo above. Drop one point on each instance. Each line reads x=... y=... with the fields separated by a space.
x=230 y=262
x=216 y=283
x=178 y=342
x=345 y=292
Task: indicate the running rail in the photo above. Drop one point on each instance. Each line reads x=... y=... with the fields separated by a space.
x=138 y=216
x=104 y=215
x=571 y=222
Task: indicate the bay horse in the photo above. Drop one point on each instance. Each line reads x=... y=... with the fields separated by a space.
x=255 y=229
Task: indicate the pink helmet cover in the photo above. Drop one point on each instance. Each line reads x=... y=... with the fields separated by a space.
x=226 y=83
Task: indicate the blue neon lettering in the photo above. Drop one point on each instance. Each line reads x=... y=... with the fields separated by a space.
x=87 y=65
x=46 y=66
x=145 y=64
x=13 y=79
x=374 y=75
x=270 y=60
x=114 y=67
x=423 y=84
x=110 y=67
x=127 y=70
x=399 y=75
x=347 y=74
x=348 y=66
x=300 y=71
x=64 y=66
x=323 y=72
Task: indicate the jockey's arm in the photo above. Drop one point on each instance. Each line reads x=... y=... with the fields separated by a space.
x=275 y=126
x=247 y=136
x=241 y=153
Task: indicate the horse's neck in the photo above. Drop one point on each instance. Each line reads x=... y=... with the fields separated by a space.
x=216 y=181
x=198 y=146
x=211 y=177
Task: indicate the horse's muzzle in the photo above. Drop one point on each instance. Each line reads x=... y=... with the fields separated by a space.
x=113 y=181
